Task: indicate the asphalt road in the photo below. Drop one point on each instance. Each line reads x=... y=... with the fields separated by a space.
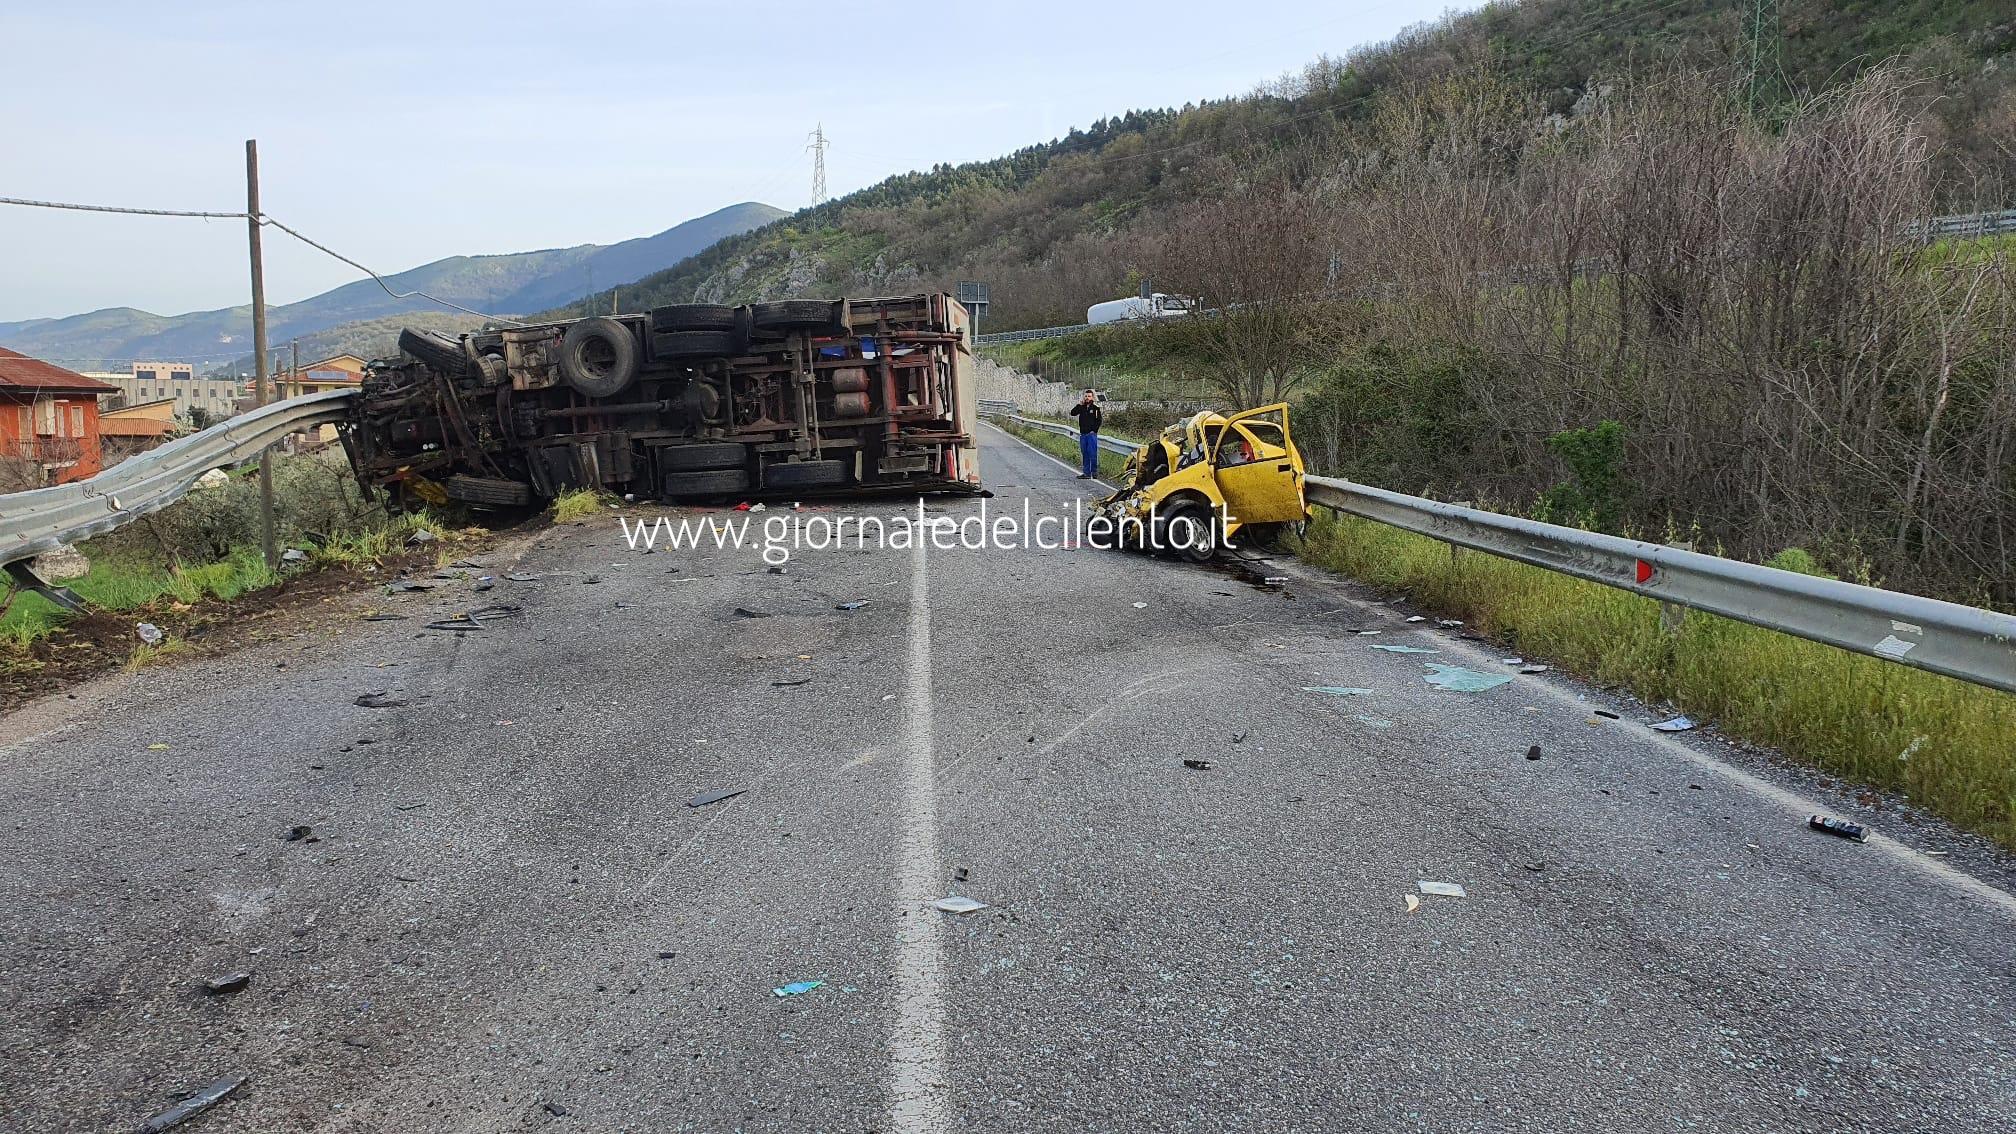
x=510 y=920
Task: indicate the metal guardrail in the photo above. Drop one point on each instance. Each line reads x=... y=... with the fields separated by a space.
x=43 y=519
x=1971 y=224
x=1034 y=333
x=1974 y=645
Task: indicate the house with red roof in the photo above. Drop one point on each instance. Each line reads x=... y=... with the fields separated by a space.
x=48 y=422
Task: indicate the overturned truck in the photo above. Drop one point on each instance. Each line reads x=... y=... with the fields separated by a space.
x=689 y=401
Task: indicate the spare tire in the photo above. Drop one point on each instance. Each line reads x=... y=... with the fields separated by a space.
x=805 y=474
x=442 y=354
x=695 y=344
x=693 y=317
x=827 y=316
x=598 y=357
x=702 y=455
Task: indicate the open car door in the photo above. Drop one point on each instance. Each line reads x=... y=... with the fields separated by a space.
x=1258 y=469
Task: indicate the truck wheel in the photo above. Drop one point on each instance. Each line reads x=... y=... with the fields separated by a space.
x=693 y=317
x=695 y=344
x=805 y=474
x=830 y=317
x=442 y=354
x=598 y=357
x=708 y=455
x=1190 y=532
x=714 y=482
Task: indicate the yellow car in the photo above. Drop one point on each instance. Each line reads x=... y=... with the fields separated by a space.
x=1208 y=482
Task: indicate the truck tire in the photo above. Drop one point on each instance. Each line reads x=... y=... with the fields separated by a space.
x=827 y=316
x=598 y=357
x=695 y=344
x=805 y=474
x=442 y=354
x=693 y=317
x=706 y=455
x=713 y=482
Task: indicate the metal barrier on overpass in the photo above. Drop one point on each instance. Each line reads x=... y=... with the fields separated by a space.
x=1973 y=645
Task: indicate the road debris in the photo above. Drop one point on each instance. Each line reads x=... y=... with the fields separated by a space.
x=790 y=684
x=226 y=984
x=959 y=874
x=1442 y=889
x=554 y=1109
x=1406 y=650
x=420 y=536
x=1140 y=606
x=293 y=555
x=1840 y=828
x=856 y=604
x=1533 y=753
x=1534 y=668
x=1677 y=724
x=715 y=796
x=1606 y=714
x=797 y=988
x=149 y=633
x=1413 y=903
x=775 y=571
x=958 y=904
x=1239 y=737
x=379 y=700
x=1337 y=690
x=521 y=576
x=157 y=746
x=403 y=586
x=383 y=617
x=745 y=612
x=297 y=832
x=1512 y=661
x=475 y=619
x=591 y=578
x=1457 y=679
x=1448 y=622
x=1417 y=618
x=485 y=582
x=1196 y=765
x=193 y=1105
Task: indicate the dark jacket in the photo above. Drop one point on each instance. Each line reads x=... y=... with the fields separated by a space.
x=1089 y=416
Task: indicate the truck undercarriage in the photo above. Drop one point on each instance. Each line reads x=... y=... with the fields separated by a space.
x=689 y=401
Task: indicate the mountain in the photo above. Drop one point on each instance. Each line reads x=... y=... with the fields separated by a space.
x=501 y=284
x=1061 y=224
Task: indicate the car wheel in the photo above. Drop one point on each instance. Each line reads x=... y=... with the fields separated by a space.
x=1191 y=532
x=442 y=354
x=598 y=357
x=714 y=482
x=708 y=455
x=805 y=474
x=693 y=317
x=695 y=344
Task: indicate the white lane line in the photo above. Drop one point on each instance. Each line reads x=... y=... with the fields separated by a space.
x=917 y=1087
x=1044 y=454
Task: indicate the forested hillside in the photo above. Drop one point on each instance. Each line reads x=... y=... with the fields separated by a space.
x=1058 y=225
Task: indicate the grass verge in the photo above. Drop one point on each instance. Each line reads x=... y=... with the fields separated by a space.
x=128 y=583
x=579 y=504
x=1942 y=743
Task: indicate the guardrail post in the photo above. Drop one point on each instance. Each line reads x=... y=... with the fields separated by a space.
x=1672 y=616
x=1455 y=552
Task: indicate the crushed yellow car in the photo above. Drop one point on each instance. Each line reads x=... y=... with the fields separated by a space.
x=1209 y=482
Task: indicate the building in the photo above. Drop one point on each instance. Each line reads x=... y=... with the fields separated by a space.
x=136 y=428
x=48 y=423
x=338 y=371
x=178 y=382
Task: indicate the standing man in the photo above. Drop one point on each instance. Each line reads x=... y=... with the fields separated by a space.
x=1089 y=415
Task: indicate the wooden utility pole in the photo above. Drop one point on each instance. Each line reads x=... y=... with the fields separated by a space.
x=267 y=540
x=294 y=372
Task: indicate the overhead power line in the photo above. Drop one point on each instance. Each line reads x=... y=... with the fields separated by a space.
x=117 y=209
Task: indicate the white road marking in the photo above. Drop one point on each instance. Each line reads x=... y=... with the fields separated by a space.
x=917 y=1088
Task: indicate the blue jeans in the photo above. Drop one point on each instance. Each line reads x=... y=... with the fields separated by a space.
x=1088 y=453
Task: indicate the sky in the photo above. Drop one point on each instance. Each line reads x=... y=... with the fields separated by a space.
x=399 y=133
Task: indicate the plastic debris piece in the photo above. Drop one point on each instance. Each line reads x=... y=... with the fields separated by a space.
x=959 y=874
x=228 y=983
x=554 y=1109
x=1413 y=903
x=790 y=684
x=856 y=604
x=1677 y=724
x=1407 y=649
x=1336 y=690
x=1514 y=661
x=381 y=617
x=149 y=633
x=1840 y=828
x=1534 y=668
x=1370 y=633
x=1448 y=622
x=775 y=571
x=1533 y=753
x=379 y=701
x=193 y=1105
x=1606 y=713
x=419 y=537
x=521 y=576
x=1140 y=606
x=958 y=904
x=296 y=833
x=485 y=582
x=1196 y=765
x=745 y=612
x=1442 y=889
x=1460 y=680
x=293 y=555
x=798 y=988
x=1373 y=722
x=759 y=507
x=715 y=796
x=157 y=746
x=1417 y=618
